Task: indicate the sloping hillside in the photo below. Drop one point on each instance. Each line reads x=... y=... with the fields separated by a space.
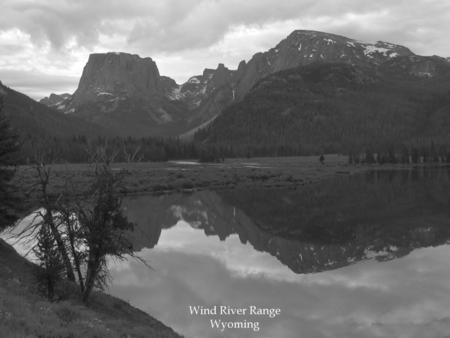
x=339 y=107
x=24 y=313
x=34 y=119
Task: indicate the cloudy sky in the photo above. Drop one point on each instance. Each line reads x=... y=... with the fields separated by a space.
x=44 y=44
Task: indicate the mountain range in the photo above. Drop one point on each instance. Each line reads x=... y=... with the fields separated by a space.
x=314 y=89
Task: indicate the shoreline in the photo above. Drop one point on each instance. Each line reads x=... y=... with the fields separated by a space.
x=184 y=177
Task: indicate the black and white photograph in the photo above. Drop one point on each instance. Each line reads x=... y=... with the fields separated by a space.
x=224 y=169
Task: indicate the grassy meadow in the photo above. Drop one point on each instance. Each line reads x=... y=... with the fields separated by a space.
x=179 y=176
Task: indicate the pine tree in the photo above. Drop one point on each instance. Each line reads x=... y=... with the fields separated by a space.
x=8 y=153
x=50 y=261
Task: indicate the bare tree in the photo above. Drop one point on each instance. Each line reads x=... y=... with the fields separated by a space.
x=101 y=152
x=49 y=205
x=131 y=153
x=104 y=227
x=79 y=232
x=71 y=232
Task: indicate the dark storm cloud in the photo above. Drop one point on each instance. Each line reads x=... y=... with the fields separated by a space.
x=171 y=25
x=185 y=36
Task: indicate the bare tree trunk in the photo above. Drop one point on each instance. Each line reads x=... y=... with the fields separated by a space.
x=91 y=275
x=76 y=258
x=135 y=153
x=59 y=242
x=77 y=266
x=44 y=177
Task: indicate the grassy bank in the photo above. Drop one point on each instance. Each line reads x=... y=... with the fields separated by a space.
x=24 y=312
x=157 y=177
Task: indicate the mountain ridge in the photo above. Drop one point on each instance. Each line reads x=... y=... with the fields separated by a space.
x=157 y=106
x=338 y=107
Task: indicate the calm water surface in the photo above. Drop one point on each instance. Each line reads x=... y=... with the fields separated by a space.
x=358 y=256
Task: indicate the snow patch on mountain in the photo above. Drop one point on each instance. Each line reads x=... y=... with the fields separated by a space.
x=194 y=79
x=369 y=50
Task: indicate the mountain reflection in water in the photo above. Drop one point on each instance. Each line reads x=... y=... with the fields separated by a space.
x=267 y=247
x=382 y=215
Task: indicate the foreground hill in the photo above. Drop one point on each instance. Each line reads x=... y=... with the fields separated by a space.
x=35 y=120
x=24 y=313
x=328 y=107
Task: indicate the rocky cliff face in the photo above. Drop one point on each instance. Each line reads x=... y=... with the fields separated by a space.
x=117 y=74
x=200 y=88
x=205 y=95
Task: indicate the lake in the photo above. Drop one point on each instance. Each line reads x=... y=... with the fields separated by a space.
x=361 y=255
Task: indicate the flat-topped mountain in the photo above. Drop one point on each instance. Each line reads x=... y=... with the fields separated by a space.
x=117 y=74
x=127 y=95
